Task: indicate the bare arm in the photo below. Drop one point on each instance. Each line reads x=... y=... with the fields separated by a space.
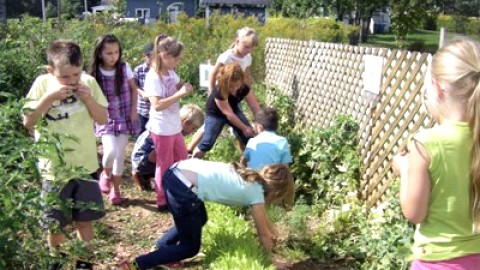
x=163 y=103
x=252 y=102
x=265 y=229
x=213 y=77
x=134 y=96
x=224 y=106
x=414 y=182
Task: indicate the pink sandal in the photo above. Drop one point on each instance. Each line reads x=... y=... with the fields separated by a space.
x=115 y=197
x=104 y=183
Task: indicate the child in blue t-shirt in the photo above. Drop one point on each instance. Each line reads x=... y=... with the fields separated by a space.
x=267 y=147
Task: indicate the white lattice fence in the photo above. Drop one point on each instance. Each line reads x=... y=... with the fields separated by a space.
x=326 y=79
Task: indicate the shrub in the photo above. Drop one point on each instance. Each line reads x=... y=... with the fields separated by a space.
x=21 y=244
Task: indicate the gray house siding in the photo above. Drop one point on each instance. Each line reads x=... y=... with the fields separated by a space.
x=3 y=11
x=156 y=7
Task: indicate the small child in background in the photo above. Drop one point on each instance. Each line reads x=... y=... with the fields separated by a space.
x=267 y=147
x=115 y=77
x=246 y=40
x=143 y=156
x=70 y=101
x=139 y=74
x=440 y=171
x=163 y=88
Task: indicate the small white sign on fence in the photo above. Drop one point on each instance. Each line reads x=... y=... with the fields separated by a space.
x=372 y=76
x=205 y=70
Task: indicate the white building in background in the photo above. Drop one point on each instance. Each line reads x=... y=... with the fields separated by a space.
x=380 y=21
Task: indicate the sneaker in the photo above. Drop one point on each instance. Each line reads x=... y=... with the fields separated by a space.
x=115 y=197
x=104 y=183
x=82 y=265
x=162 y=208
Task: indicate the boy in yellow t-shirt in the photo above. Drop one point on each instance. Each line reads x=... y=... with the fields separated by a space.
x=69 y=101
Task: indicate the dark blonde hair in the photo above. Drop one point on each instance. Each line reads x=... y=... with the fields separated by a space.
x=228 y=75
x=193 y=114
x=64 y=53
x=276 y=180
x=165 y=44
x=246 y=33
x=97 y=61
x=456 y=67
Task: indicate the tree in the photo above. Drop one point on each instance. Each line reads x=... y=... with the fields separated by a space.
x=406 y=16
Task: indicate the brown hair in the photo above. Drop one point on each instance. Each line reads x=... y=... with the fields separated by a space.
x=268 y=118
x=228 y=75
x=64 y=53
x=166 y=44
x=97 y=61
x=276 y=180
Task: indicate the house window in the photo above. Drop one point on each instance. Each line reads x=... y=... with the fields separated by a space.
x=142 y=12
x=173 y=10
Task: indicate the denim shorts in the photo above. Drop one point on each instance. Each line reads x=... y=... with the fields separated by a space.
x=78 y=200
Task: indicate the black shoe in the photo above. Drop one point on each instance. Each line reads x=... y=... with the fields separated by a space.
x=81 y=265
x=55 y=266
x=162 y=208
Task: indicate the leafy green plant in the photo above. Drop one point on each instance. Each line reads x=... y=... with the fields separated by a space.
x=229 y=241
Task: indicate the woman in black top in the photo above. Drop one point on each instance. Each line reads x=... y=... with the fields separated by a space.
x=223 y=108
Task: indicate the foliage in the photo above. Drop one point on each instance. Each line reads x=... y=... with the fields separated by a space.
x=27 y=39
x=229 y=242
x=19 y=196
x=460 y=24
x=21 y=246
x=406 y=16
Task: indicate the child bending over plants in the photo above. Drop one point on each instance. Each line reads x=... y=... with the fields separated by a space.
x=69 y=101
x=190 y=182
x=440 y=173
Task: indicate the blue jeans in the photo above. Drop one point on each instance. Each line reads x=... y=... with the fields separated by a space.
x=184 y=239
x=142 y=122
x=213 y=127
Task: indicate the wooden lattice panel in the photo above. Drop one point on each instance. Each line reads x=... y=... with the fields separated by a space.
x=396 y=116
x=325 y=79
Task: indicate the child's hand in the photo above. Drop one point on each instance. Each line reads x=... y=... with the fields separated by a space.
x=186 y=89
x=63 y=92
x=400 y=161
x=83 y=92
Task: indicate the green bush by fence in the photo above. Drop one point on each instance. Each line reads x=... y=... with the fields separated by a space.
x=459 y=24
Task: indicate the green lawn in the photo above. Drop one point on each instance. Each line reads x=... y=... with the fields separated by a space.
x=387 y=40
